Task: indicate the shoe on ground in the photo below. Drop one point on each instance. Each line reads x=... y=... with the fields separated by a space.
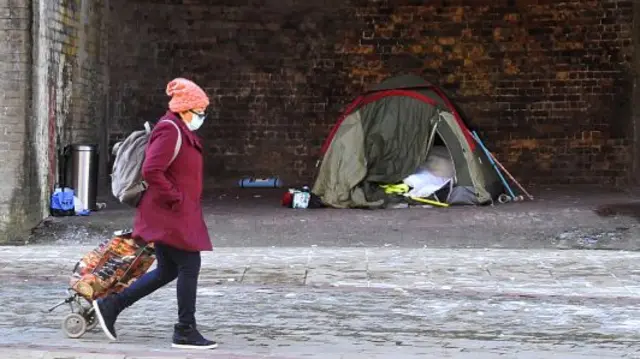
x=188 y=337
x=107 y=314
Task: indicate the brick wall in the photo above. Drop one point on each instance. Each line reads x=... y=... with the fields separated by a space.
x=635 y=152
x=53 y=91
x=71 y=76
x=136 y=73
x=546 y=83
x=16 y=170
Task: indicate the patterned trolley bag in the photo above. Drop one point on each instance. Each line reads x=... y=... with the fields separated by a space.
x=112 y=266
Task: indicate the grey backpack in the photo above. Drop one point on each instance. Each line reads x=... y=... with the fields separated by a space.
x=127 y=184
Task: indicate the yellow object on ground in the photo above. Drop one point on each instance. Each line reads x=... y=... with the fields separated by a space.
x=399 y=188
x=404 y=189
x=428 y=201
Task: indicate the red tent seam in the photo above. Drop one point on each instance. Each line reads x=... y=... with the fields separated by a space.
x=362 y=101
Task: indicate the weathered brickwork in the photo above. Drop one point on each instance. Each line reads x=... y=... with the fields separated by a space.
x=72 y=75
x=548 y=84
x=270 y=70
x=15 y=167
x=634 y=174
x=53 y=93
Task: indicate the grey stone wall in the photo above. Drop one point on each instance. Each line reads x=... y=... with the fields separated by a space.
x=17 y=198
x=71 y=76
x=53 y=93
x=635 y=155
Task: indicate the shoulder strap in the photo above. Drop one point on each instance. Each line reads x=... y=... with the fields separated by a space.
x=147 y=127
x=178 y=143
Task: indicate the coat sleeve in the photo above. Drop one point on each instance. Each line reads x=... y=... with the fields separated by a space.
x=162 y=144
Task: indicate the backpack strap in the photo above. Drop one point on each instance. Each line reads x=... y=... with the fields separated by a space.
x=178 y=142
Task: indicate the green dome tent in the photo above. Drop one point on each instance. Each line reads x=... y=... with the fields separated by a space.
x=387 y=133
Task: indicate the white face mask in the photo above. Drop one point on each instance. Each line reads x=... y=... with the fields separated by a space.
x=197 y=120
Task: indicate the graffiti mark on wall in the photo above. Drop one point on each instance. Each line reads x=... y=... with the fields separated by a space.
x=52 y=136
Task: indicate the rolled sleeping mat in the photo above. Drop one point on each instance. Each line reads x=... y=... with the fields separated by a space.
x=250 y=182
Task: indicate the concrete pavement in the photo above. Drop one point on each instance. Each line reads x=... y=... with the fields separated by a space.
x=588 y=218
x=334 y=302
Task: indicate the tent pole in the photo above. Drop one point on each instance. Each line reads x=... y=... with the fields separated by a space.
x=491 y=160
x=513 y=179
x=432 y=136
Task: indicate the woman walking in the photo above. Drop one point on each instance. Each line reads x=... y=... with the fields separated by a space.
x=170 y=216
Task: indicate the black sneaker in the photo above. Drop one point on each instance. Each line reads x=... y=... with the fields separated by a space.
x=107 y=314
x=188 y=337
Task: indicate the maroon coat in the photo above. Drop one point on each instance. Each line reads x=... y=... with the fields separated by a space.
x=170 y=210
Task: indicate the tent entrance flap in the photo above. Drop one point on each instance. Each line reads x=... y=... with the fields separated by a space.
x=436 y=175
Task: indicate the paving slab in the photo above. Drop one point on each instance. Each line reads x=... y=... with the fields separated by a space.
x=561 y=272
x=355 y=303
x=313 y=323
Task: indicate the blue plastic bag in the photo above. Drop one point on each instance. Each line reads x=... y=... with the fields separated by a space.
x=62 y=202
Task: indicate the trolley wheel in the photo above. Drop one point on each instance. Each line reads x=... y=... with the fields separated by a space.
x=92 y=320
x=74 y=325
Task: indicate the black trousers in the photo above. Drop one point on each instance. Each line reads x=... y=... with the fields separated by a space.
x=172 y=263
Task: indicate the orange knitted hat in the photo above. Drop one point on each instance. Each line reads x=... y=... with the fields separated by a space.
x=186 y=95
